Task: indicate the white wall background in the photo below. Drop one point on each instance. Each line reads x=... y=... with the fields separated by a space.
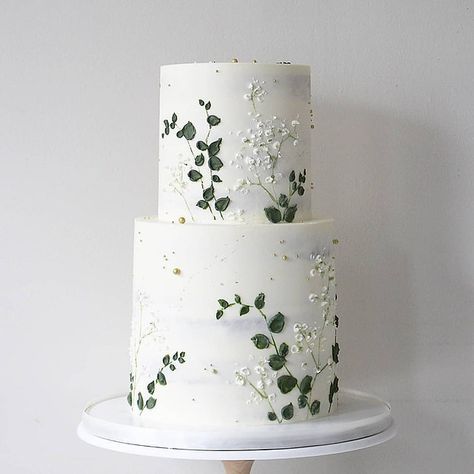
x=394 y=152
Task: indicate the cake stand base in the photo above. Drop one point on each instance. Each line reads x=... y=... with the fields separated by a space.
x=361 y=421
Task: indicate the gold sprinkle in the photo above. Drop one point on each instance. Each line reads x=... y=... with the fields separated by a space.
x=235 y=60
x=181 y=220
x=312 y=126
x=335 y=241
x=176 y=271
x=254 y=61
x=284 y=257
x=275 y=255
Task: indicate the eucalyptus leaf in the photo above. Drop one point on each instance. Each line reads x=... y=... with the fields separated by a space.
x=208 y=193
x=194 y=175
x=273 y=214
x=175 y=356
x=284 y=349
x=302 y=401
x=208 y=106
x=200 y=145
x=213 y=120
x=140 y=401
x=244 y=310
x=271 y=416
x=219 y=314
x=260 y=301
x=276 y=323
x=237 y=299
x=216 y=178
x=166 y=359
x=174 y=118
x=172 y=367
x=288 y=411
x=215 y=163
x=335 y=352
x=222 y=204
x=201 y=102
x=215 y=147
x=150 y=403
x=223 y=303
x=129 y=398
x=292 y=176
x=179 y=134
x=315 y=406
x=276 y=362
x=300 y=190
x=294 y=185
x=202 y=204
x=305 y=385
x=151 y=387
x=290 y=213
x=160 y=377
x=189 y=131
x=286 y=383
x=336 y=321
x=261 y=341
x=182 y=354
x=283 y=200
x=181 y=360
x=199 y=160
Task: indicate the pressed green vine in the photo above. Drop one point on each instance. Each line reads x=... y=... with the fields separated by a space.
x=203 y=151
x=148 y=400
x=277 y=360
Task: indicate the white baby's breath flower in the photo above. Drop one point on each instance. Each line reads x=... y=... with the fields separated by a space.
x=296 y=327
x=245 y=371
x=294 y=123
x=299 y=337
x=313 y=297
x=271 y=397
x=294 y=349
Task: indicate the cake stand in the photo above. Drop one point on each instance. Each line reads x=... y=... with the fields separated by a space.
x=361 y=421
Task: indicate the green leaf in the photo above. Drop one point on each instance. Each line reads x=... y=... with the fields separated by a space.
x=333 y=389
x=172 y=125
x=208 y=106
x=174 y=118
x=271 y=416
x=179 y=134
x=175 y=356
x=301 y=178
x=315 y=406
x=260 y=301
x=167 y=123
x=189 y=131
x=201 y=102
x=261 y=341
x=286 y=383
x=199 y=160
x=273 y=214
x=172 y=367
x=129 y=398
x=300 y=190
x=292 y=176
x=244 y=310
x=335 y=352
x=140 y=401
x=160 y=377
x=208 y=193
x=276 y=362
x=130 y=376
x=276 y=323
x=336 y=321
x=283 y=200
x=201 y=145
x=222 y=204
x=194 y=175
x=213 y=120
x=150 y=403
x=151 y=387
x=215 y=147
x=223 y=303
x=284 y=349
x=215 y=163
x=287 y=411
x=290 y=213
x=219 y=314
x=305 y=385
x=166 y=359
x=237 y=299
x=302 y=401
x=181 y=360
x=202 y=204
x=182 y=354
x=216 y=178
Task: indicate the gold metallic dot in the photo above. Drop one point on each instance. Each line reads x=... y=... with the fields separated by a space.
x=335 y=241
x=181 y=220
x=235 y=60
x=284 y=257
x=176 y=271
x=312 y=126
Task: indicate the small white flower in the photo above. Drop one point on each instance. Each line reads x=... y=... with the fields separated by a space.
x=297 y=327
x=260 y=385
x=272 y=397
x=239 y=379
x=313 y=297
x=295 y=142
x=276 y=145
x=269 y=179
x=294 y=123
x=245 y=371
x=294 y=349
x=313 y=272
x=247 y=96
x=299 y=337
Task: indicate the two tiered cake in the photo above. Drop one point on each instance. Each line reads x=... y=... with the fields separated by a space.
x=234 y=290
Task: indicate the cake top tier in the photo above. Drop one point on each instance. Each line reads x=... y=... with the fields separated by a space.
x=235 y=143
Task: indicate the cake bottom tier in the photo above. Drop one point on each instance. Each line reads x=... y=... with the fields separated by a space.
x=233 y=324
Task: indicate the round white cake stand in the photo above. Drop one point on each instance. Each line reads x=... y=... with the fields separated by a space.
x=361 y=421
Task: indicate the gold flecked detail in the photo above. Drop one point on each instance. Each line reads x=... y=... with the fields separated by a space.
x=335 y=241
x=176 y=271
x=235 y=60
x=284 y=257
x=181 y=220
